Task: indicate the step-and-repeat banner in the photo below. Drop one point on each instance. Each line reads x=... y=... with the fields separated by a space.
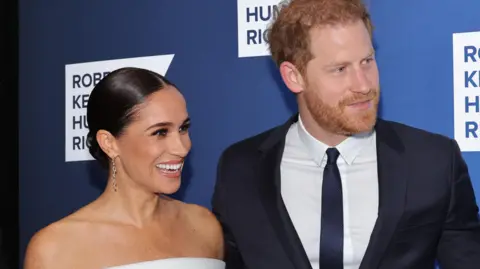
x=215 y=52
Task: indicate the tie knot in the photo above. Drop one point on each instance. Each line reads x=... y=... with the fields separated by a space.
x=332 y=154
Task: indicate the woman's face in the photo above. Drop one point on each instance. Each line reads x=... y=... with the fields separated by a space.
x=153 y=147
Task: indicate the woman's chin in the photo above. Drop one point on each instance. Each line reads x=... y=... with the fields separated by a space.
x=168 y=185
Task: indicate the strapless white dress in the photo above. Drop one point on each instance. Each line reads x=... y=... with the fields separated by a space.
x=175 y=263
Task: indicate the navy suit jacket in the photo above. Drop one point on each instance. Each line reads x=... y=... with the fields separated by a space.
x=427 y=208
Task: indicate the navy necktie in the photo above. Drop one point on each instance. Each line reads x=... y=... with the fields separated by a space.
x=331 y=234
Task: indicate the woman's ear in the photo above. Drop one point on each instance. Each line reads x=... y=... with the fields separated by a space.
x=108 y=143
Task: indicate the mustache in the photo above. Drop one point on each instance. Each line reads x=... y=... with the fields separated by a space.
x=359 y=98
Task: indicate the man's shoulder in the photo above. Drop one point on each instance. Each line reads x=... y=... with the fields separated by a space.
x=415 y=136
x=249 y=146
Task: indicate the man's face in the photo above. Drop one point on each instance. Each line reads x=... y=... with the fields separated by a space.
x=341 y=83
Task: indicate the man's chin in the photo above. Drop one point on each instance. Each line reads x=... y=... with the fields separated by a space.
x=361 y=126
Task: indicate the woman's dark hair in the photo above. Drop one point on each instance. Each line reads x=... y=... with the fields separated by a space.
x=112 y=103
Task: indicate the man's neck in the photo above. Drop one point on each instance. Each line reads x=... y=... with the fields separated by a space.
x=318 y=132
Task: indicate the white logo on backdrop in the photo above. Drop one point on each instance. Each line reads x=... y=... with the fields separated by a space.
x=254 y=18
x=466 y=89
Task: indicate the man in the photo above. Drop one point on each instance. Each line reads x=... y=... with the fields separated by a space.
x=335 y=187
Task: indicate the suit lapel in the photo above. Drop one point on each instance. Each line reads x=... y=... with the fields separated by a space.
x=392 y=179
x=269 y=177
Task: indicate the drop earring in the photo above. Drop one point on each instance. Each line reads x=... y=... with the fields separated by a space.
x=114 y=175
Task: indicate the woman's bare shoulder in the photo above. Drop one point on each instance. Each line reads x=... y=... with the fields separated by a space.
x=207 y=226
x=49 y=245
x=203 y=215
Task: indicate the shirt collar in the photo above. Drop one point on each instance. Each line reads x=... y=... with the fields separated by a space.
x=349 y=149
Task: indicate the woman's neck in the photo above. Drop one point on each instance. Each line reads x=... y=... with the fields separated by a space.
x=130 y=204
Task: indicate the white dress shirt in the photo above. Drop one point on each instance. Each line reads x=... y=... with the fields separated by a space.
x=302 y=168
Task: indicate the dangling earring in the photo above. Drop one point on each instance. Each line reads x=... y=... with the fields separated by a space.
x=114 y=175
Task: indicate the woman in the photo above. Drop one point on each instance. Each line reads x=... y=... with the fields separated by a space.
x=138 y=129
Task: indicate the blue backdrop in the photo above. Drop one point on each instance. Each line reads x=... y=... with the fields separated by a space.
x=229 y=98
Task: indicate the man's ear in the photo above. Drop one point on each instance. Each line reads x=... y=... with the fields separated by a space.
x=292 y=77
x=107 y=143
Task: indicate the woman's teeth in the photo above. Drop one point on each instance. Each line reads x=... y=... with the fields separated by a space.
x=173 y=168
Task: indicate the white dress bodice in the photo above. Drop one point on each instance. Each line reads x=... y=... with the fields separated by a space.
x=175 y=263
